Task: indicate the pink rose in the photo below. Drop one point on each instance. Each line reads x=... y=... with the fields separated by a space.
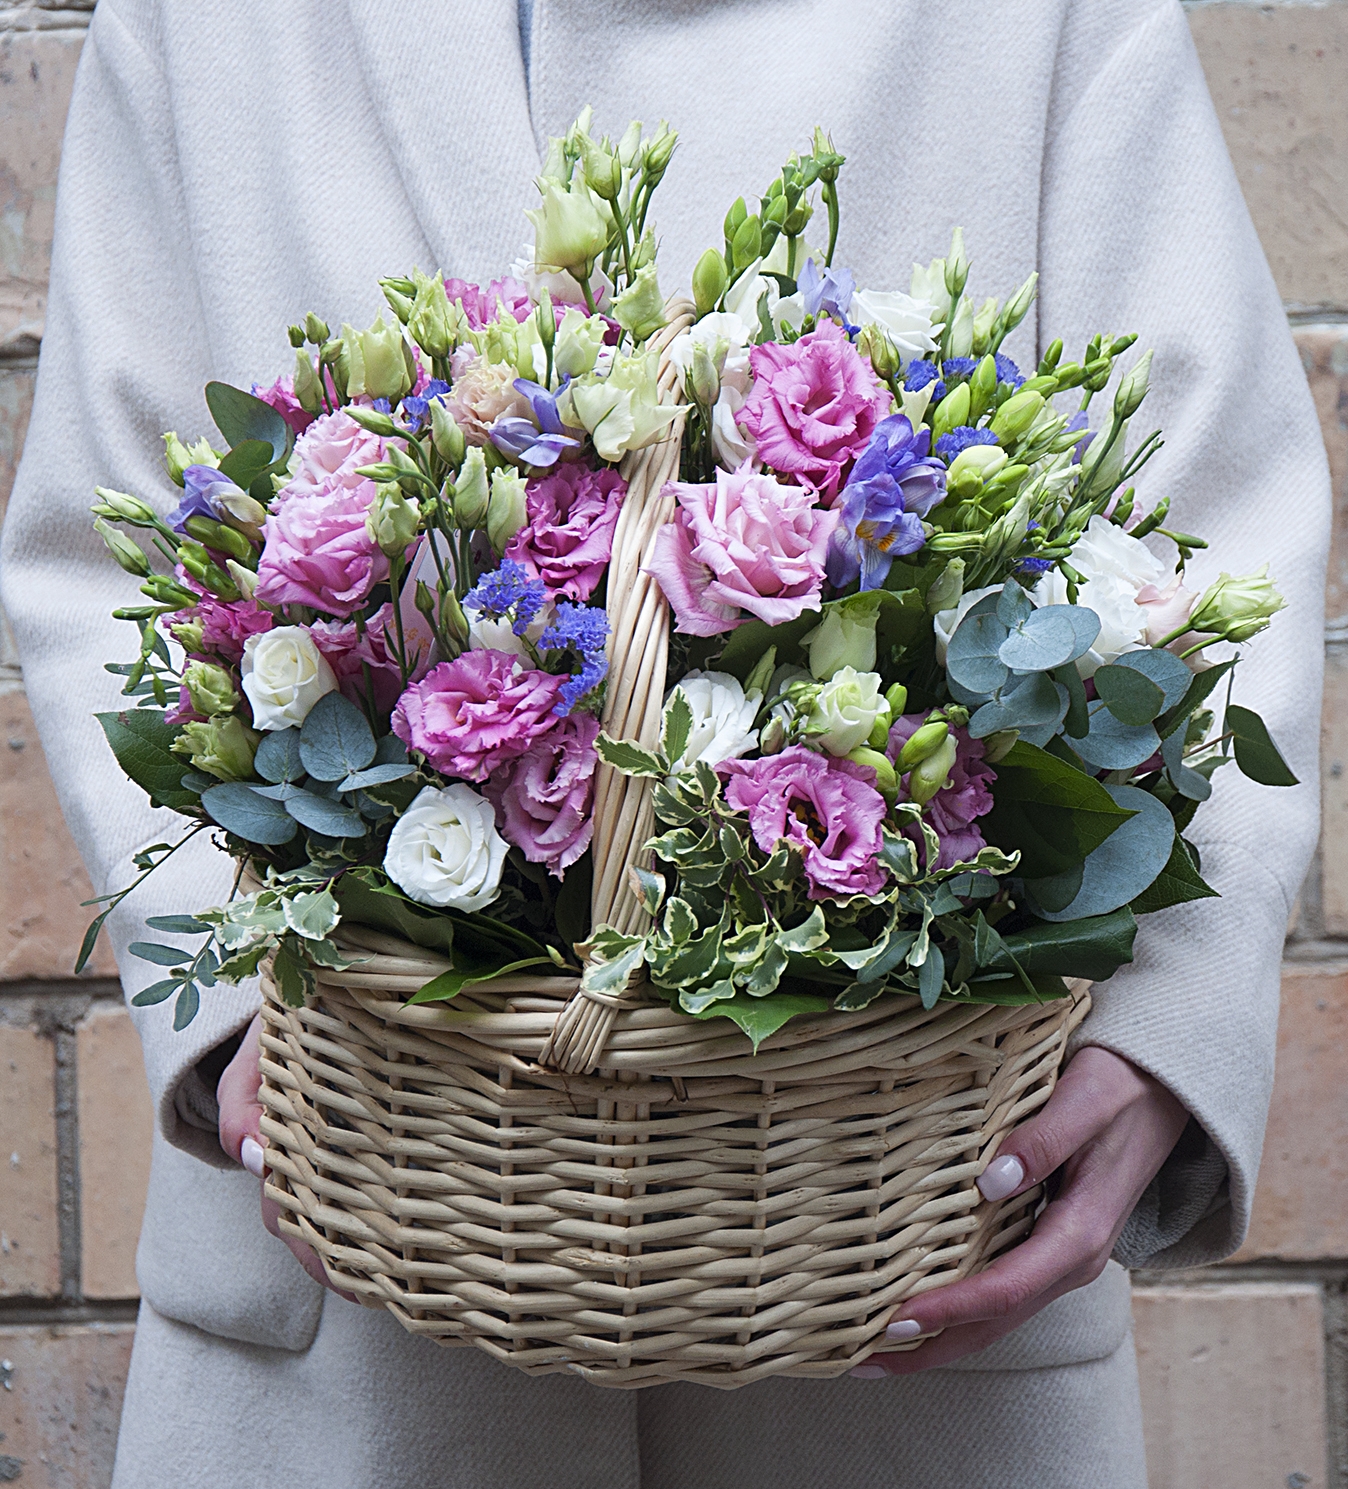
x=828 y=808
x=225 y=625
x=543 y=800
x=281 y=397
x=746 y=543
x=568 y=536
x=479 y=305
x=813 y=406
x=955 y=808
x=1167 y=610
x=473 y=715
x=316 y=548
x=330 y=452
x=349 y=652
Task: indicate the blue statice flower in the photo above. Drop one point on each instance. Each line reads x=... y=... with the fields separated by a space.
x=1032 y=568
x=959 y=440
x=1007 y=371
x=202 y=486
x=417 y=410
x=829 y=293
x=581 y=629
x=959 y=366
x=541 y=443
x=919 y=375
x=508 y=591
x=382 y=406
x=893 y=485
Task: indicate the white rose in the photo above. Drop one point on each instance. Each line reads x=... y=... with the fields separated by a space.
x=445 y=851
x=723 y=718
x=946 y=622
x=846 y=709
x=907 y=322
x=284 y=675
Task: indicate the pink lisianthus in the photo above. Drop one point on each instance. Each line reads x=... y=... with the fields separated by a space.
x=349 y=652
x=281 y=397
x=183 y=712
x=543 y=800
x=317 y=550
x=828 y=808
x=813 y=406
x=479 y=305
x=955 y=809
x=746 y=543
x=225 y=624
x=330 y=452
x=568 y=536
x=474 y=714
x=1167 y=610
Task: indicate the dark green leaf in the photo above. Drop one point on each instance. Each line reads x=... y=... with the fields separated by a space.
x=241 y=810
x=1203 y=683
x=240 y=417
x=931 y=977
x=157 y=992
x=335 y=741
x=162 y=956
x=450 y=984
x=1013 y=991
x=1129 y=695
x=293 y=979
x=1125 y=863
x=1077 y=719
x=1092 y=948
x=571 y=909
x=140 y=739
x=278 y=756
x=1256 y=754
x=1177 y=882
x=762 y=1017
x=322 y=815
x=178 y=925
x=247 y=461
x=90 y=938
x=185 y=1009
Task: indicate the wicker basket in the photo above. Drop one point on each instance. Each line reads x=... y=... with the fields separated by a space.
x=600 y=1184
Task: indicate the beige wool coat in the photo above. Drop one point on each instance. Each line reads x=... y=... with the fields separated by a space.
x=229 y=167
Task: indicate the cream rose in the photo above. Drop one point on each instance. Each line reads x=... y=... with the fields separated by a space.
x=445 y=851
x=284 y=675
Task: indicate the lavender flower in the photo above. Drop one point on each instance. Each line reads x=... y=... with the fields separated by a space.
x=959 y=366
x=508 y=591
x=583 y=630
x=959 y=440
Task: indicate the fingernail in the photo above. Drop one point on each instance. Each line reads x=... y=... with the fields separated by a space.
x=903 y=1328
x=250 y=1155
x=1002 y=1176
x=868 y=1372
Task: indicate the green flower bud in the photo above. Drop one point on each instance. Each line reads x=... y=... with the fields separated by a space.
x=471 y=491
x=245 y=579
x=130 y=555
x=704 y=379
x=392 y=519
x=879 y=735
x=223 y=748
x=747 y=244
x=999 y=745
x=772 y=737
x=761 y=675
x=603 y=170
x=629 y=146
x=984 y=461
x=948 y=588
x=951 y=412
x=982 y=386
x=645 y=250
x=1016 y=415
x=1133 y=389
x=506 y=510
x=452 y=619
x=924 y=743
x=881 y=352
x=210 y=688
x=896 y=695
x=640 y=308
x=165 y=591
x=956 y=266
x=446 y=435
x=845 y=637
x=295 y=335
x=216 y=535
x=315 y=330
x=928 y=776
x=177 y=457
x=659 y=152
x=1016 y=308
x=709 y=282
x=1236 y=609
x=189 y=634
x=193 y=557
x=372 y=420
x=308 y=389
x=736 y=215
x=433 y=321
x=127 y=508
x=985 y=321
x=375 y=363
x=886 y=778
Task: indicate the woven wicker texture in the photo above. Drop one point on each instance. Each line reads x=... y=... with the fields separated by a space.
x=690 y=1212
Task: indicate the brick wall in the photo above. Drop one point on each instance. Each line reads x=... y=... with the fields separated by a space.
x=1244 y=1367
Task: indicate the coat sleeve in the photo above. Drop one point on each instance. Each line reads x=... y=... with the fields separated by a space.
x=124 y=358
x=1143 y=228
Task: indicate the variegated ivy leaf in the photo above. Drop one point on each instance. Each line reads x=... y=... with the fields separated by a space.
x=314 y=916
x=649 y=888
x=991 y=860
x=781 y=870
x=677 y=727
x=674 y=803
x=762 y=978
x=629 y=758
x=242 y=964
x=746 y=946
x=695 y=1000
x=809 y=935
x=695 y=962
x=680 y=923
x=614 y=974
x=899 y=856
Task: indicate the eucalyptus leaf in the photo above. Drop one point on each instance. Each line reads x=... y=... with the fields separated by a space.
x=335 y=741
x=1186 y=781
x=973 y=657
x=278 y=756
x=247 y=461
x=1162 y=667
x=1131 y=696
x=1059 y=891
x=1195 y=695
x=1125 y=863
x=1178 y=882
x=241 y=417
x=320 y=814
x=240 y=810
x=375 y=775
x=1113 y=745
x=1035 y=707
x=1049 y=637
x=1014 y=606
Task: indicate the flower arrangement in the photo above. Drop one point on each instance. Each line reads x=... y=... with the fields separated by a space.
x=937 y=718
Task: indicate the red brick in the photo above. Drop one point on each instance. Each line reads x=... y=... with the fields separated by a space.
x=30 y=1262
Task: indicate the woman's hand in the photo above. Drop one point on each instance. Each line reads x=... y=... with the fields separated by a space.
x=1109 y=1127
x=241 y=1137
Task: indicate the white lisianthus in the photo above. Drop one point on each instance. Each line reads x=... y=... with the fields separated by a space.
x=1115 y=566
x=946 y=622
x=730 y=446
x=445 y=850
x=284 y=675
x=485 y=634
x=909 y=323
x=742 y=298
x=723 y=718
x=845 y=710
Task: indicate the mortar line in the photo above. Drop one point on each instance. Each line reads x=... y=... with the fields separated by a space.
x=67 y=1160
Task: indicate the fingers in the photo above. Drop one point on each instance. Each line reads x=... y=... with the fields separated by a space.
x=307 y=1257
x=240 y=1112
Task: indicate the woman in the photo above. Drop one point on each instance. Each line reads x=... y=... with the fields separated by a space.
x=226 y=170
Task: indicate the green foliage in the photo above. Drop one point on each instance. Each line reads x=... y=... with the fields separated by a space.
x=142 y=743
x=1256 y=754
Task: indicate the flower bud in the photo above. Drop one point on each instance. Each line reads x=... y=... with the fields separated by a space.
x=392 y=519
x=315 y=330
x=130 y=555
x=983 y=461
x=177 y=457
x=245 y=579
x=453 y=621
x=640 y=308
x=879 y=735
x=957 y=270
x=1133 y=389
x=985 y=321
x=709 y=281
x=308 y=389
x=924 y=743
x=295 y=335
x=166 y=591
x=470 y=490
x=193 y=557
x=881 y=352
x=189 y=634
x=928 y=776
x=223 y=748
x=446 y=435
x=128 y=508
x=659 y=152
x=603 y=170
x=1016 y=415
x=506 y=510
x=952 y=412
x=947 y=590
x=569 y=230
x=772 y=736
x=845 y=709
x=432 y=321
x=896 y=695
x=216 y=535
x=703 y=378
x=629 y=146
x=644 y=252
x=748 y=243
x=998 y=746
x=374 y=421
x=1236 y=609
x=375 y=364
x=886 y=779
x=210 y=688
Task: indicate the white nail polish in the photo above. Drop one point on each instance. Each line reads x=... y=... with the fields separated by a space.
x=868 y=1372
x=903 y=1328
x=250 y=1155
x=1002 y=1176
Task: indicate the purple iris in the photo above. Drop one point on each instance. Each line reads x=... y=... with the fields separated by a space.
x=416 y=410
x=541 y=444
x=1079 y=420
x=893 y=485
x=201 y=485
x=829 y=293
